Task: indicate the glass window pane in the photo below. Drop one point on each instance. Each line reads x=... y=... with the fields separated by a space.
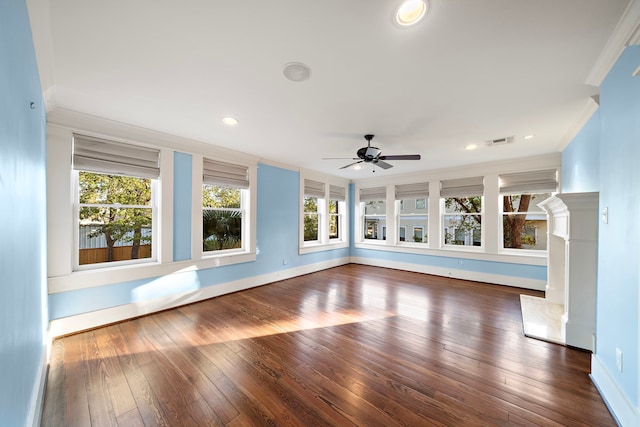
x=413 y=223
x=463 y=230
x=524 y=223
x=375 y=207
x=112 y=225
x=463 y=204
x=221 y=229
x=214 y=196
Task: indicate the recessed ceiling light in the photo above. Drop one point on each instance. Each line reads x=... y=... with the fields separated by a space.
x=230 y=121
x=411 y=11
x=529 y=136
x=296 y=71
x=471 y=147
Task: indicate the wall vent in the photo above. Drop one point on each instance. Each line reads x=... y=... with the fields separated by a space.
x=501 y=141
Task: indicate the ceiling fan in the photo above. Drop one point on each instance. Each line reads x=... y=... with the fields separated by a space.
x=374 y=155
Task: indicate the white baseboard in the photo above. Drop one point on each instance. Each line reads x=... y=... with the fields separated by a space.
x=84 y=321
x=498 y=279
x=37 y=395
x=619 y=405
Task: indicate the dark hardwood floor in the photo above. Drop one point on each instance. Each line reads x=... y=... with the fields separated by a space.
x=353 y=345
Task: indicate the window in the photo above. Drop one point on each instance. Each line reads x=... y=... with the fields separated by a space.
x=337 y=197
x=413 y=211
x=374 y=209
x=115 y=201
x=524 y=224
x=462 y=207
x=224 y=203
x=313 y=197
x=221 y=218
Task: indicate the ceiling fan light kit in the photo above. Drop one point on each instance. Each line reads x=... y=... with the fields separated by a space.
x=374 y=155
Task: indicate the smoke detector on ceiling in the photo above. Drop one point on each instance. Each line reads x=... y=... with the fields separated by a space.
x=501 y=141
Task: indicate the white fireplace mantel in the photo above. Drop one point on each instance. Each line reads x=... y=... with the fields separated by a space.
x=569 y=306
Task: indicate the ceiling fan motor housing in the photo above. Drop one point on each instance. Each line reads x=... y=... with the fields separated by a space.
x=369 y=154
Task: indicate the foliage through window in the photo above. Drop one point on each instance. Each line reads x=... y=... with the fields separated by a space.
x=115 y=218
x=462 y=221
x=222 y=216
x=311 y=219
x=524 y=224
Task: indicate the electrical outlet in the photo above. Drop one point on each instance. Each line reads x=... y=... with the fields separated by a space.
x=619 y=359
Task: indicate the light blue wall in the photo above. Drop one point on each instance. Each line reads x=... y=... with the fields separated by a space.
x=618 y=245
x=523 y=271
x=581 y=159
x=23 y=216
x=612 y=139
x=277 y=244
x=182 y=178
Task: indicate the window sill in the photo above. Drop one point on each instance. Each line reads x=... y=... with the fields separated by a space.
x=124 y=273
x=319 y=247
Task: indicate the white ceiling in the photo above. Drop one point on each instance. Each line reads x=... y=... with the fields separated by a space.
x=471 y=71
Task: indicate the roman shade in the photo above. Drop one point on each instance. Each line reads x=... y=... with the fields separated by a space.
x=545 y=181
x=115 y=158
x=374 y=193
x=465 y=187
x=313 y=188
x=215 y=172
x=337 y=193
x=418 y=190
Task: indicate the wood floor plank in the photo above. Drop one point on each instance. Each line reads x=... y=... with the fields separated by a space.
x=348 y=346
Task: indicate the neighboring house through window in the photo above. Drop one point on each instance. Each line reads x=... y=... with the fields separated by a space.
x=462 y=211
x=413 y=212
x=374 y=213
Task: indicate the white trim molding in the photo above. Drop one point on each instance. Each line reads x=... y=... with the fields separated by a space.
x=619 y=405
x=626 y=33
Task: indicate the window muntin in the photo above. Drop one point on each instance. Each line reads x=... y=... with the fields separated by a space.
x=311 y=219
x=374 y=219
x=413 y=215
x=115 y=219
x=462 y=221
x=223 y=217
x=524 y=224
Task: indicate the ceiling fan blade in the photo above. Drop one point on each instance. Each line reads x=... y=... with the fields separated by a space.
x=401 y=157
x=351 y=164
x=340 y=158
x=383 y=165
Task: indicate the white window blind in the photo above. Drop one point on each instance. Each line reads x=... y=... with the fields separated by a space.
x=375 y=193
x=215 y=172
x=412 y=191
x=465 y=187
x=337 y=193
x=313 y=188
x=545 y=181
x=115 y=158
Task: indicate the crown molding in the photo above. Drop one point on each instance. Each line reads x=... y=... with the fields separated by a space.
x=626 y=33
x=590 y=107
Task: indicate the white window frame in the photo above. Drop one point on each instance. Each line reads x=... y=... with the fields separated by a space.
x=113 y=264
x=244 y=200
x=324 y=241
x=248 y=204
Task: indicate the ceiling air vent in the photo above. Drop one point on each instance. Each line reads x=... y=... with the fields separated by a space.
x=501 y=141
